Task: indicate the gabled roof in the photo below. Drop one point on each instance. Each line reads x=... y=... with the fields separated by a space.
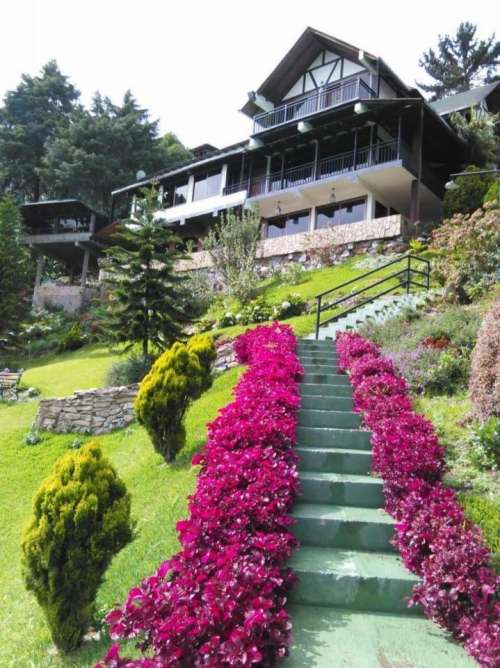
x=300 y=56
x=465 y=100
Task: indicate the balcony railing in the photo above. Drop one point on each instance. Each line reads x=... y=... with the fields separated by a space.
x=332 y=95
x=341 y=163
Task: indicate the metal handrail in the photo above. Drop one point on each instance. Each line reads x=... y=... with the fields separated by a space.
x=407 y=272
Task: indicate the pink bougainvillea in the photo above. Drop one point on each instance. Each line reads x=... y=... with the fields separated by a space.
x=458 y=587
x=220 y=600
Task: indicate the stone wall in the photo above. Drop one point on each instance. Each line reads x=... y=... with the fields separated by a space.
x=294 y=244
x=88 y=411
x=71 y=298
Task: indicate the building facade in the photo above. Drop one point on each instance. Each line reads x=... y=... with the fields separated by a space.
x=339 y=148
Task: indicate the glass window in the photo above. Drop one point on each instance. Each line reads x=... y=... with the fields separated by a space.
x=341 y=214
x=180 y=193
x=207 y=184
x=291 y=224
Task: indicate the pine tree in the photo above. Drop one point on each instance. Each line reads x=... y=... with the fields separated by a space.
x=148 y=300
x=15 y=270
x=31 y=115
x=461 y=62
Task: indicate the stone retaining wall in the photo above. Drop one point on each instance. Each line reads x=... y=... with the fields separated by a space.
x=96 y=411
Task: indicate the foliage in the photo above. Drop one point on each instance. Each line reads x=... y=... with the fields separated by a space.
x=202 y=294
x=32 y=114
x=293 y=304
x=493 y=194
x=293 y=273
x=486 y=444
x=128 y=371
x=81 y=519
x=461 y=62
x=479 y=131
x=220 y=600
x=259 y=310
x=73 y=339
x=458 y=587
x=172 y=151
x=486 y=514
x=14 y=266
x=485 y=366
x=468 y=254
x=417 y=246
x=232 y=244
x=148 y=301
x=469 y=193
x=180 y=375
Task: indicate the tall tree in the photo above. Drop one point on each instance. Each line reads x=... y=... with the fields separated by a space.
x=148 y=301
x=479 y=130
x=460 y=62
x=31 y=115
x=15 y=269
x=103 y=148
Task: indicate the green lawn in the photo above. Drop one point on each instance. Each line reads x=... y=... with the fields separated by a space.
x=159 y=494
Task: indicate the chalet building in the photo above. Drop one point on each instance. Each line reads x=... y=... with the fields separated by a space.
x=68 y=231
x=337 y=142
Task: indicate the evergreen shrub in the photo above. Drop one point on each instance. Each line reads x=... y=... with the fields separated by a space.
x=485 y=366
x=81 y=519
x=180 y=375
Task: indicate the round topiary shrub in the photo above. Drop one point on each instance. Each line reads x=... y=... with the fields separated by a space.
x=180 y=375
x=484 y=384
x=81 y=519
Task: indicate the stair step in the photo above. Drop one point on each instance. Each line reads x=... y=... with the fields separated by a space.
x=335 y=638
x=313 y=367
x=309 y=417
x=326 y=403
x=327 y=378
x=325 y=389
x=357 y=580
x=333 y=437
x=349 y=489
x=343 y=527
x=338 y=460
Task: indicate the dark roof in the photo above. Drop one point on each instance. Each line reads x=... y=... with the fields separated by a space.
x=300 y=56
x=203 y=150
x=36 y=212
x=465 y=100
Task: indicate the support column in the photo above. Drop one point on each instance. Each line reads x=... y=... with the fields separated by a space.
x=400 y=128
x=370 y=206
x=190 y=188
x=223 y=180
x=92 y=223
x=312 y=219
x=85 y=267
x=268 y=172
x=413 y=201
x=316 y=158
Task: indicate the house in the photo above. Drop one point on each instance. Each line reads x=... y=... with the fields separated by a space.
x=339 y=148
x=482 y=98
x=68 y=231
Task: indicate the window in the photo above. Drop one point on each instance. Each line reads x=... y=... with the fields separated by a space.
x=180 y=193
x=341 y=214
x=291 y=224
x=207 y=184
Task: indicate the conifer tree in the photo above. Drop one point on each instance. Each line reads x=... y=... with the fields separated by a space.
x=15 y=271
x=148 y=301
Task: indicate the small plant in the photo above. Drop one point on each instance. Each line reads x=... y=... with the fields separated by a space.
x=417 y=246
x=485 y=451
x=32 y=437
x=200 y=291
x=128 y=371
x=178 y=376
x=73 y=339
x=293 y=273
x=293 y=304
x=81 y=519
x=484 y=385
x=486 y=514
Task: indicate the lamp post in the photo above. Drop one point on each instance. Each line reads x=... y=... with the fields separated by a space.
x=452 y=185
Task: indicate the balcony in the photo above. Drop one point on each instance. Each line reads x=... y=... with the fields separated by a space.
x=341 y=163
x=332 y=95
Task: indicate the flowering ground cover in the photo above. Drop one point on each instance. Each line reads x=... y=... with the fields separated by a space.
x=458 y=587
x=220 y=600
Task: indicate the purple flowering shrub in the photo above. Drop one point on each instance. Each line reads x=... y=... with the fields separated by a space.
x=458 y=587
x=220 y=600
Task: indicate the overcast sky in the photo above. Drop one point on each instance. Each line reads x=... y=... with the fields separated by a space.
x=192 y=62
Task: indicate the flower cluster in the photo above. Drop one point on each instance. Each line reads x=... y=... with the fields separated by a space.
x=220 y=600
x=458 y=588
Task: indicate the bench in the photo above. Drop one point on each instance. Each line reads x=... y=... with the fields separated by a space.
x=9 y=383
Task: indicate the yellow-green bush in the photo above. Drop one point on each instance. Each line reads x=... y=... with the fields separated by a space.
x=179 y=375
x=486 y=514
x=81 y=519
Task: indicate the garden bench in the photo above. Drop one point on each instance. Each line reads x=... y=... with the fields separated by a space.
x=9 y=383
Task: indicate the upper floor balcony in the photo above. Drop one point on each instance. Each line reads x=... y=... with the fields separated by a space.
x=328 y=97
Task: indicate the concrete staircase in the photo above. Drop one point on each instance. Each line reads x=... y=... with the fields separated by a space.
x=348 y=608
x=380 y=310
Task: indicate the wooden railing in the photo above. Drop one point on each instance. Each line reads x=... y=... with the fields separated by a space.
x=332 y=95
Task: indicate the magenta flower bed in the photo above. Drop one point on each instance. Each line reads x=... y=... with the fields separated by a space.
x=458 y=588
x=220 y=600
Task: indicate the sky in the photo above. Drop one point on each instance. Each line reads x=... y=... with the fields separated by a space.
x=192 y=62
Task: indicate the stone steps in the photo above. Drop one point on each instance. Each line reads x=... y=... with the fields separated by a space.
x=325 y=390
x=317 y=402
x=333 y=437
x=350 y=489
x=315 y=417
x=338 y=460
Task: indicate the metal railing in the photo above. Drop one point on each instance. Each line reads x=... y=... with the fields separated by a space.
x=337 y=164
x=405 y=279
x=331 y=95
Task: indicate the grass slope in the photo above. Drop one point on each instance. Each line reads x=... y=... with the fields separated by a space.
x=159 y=497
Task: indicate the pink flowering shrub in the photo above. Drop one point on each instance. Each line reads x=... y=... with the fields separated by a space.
x=458 y=587
x=220 y=600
